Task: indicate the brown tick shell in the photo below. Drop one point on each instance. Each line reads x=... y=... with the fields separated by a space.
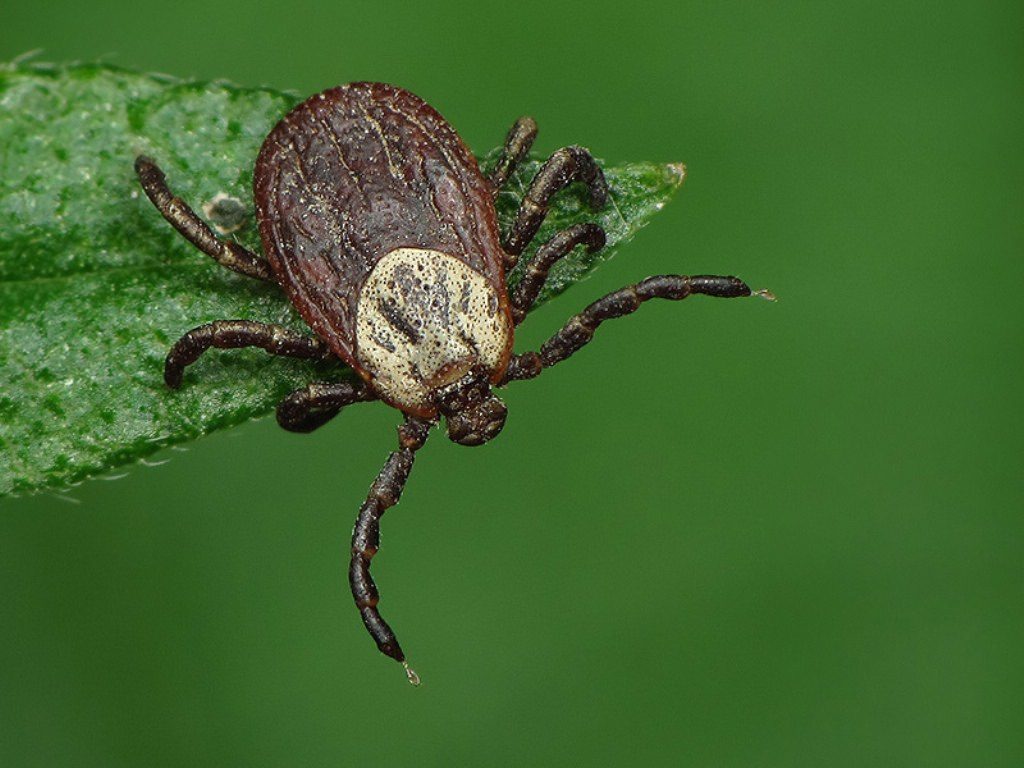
x=354 y=173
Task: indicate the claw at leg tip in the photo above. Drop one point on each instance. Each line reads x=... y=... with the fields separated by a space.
x=414 y=679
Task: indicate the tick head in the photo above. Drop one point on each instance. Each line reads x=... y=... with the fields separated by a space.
x=477 y=424
x=473 y=412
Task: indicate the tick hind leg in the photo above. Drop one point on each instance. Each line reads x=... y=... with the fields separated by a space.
x=314 y=405
x=565 y=166
x=384 y=494
x=195 y=230
x=235 y=334
x=580 y=329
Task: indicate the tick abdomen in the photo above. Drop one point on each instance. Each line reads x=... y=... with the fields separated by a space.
x=424 y=319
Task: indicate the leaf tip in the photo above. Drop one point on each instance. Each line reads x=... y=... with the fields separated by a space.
x=676 y=172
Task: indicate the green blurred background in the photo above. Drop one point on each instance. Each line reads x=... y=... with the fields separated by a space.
x=725 y=534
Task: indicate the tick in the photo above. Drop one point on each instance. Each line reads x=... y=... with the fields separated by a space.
x=380 y=228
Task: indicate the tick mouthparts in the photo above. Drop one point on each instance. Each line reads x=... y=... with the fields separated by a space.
x=410 y=673
x=765 y=294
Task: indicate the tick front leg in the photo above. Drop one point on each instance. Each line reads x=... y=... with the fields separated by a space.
x=576 y=333
x=517 y=144
x=234 y=334
x=384 y=494
x=314 y=405
x=525 y=293
x=565 y=166
x=195 y=230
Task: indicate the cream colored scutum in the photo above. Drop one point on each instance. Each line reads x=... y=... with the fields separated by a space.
x=423 y=313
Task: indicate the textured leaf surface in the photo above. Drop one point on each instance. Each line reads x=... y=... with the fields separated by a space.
x=95 y=286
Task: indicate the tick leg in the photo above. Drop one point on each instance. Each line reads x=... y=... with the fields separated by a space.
x=525 y=293
x=314 y=405
x=384 y=494
x=195 y=230
x=580 y=329
x=565 y=166
x=233 y=334
x=517 y=144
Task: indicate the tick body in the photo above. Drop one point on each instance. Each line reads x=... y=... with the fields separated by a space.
x=380 y=228
x=382 y=231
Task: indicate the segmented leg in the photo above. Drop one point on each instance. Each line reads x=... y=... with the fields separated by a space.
x=384 y=494
x=525 y=293
x=580 y=329
x=517 y=143
x=312 y=406
x=565 y=166
x=233 y=334
x=195 y=230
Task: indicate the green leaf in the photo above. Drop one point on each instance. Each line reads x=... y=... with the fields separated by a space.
x=95 y=286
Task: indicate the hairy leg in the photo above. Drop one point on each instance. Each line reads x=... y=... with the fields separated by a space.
x=195 y=230
x=312 y=406
x=234 y=334
x=517 y=143
x=384 y=494
x=565 y=166
x=576 y=333
x=525 y=293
